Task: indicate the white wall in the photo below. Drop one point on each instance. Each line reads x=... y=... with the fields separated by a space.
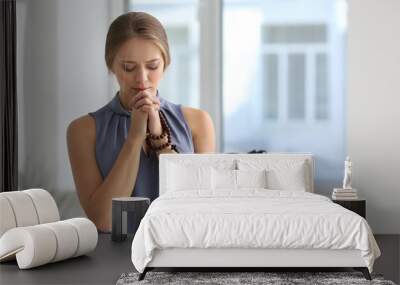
x=61 y=76
x=37 y=92
x=373 y=115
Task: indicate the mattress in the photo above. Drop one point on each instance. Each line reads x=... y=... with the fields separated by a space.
x=250 y=218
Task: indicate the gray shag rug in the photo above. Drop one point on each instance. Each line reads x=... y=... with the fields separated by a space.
x=270 y=278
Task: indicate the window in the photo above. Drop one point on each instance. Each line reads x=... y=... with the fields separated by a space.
x=283 y=80
x=296 y=48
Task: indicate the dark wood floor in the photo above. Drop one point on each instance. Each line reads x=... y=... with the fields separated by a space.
x=110 y=260
x=389 y=262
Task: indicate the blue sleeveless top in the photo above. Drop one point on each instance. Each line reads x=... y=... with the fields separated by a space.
x=112 y=126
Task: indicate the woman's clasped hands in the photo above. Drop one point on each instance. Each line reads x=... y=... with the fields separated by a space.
x=144 y=114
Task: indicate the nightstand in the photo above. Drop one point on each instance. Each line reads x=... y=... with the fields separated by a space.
x=358 y=206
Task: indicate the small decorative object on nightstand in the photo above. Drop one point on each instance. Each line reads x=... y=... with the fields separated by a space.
x=358 y=206
x=346 y=192
x=136 y=206
x=347 y=196
x=347 y=173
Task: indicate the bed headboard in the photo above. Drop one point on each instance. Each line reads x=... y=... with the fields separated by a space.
x=231 y=160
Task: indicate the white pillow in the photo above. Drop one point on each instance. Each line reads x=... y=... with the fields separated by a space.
x=288 y=178
x=251 y=178
x=223 y=179
x=188 y=177
x=282 y=174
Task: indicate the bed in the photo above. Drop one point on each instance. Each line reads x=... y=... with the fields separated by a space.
x=245 y=211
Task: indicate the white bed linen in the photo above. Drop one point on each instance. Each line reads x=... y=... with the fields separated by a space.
x=250 y=218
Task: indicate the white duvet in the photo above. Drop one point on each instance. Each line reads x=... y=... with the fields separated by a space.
x=250 y=218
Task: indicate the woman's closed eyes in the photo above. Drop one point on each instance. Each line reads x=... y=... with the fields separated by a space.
x=130 y=68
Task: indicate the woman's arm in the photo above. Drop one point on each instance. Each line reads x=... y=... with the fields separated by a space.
x=95 y=194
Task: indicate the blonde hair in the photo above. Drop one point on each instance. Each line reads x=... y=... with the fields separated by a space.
x=136 y=24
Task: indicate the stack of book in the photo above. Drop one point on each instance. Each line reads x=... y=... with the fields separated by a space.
x=344 y=194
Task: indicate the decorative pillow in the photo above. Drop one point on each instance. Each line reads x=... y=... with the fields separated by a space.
x=50 y=242
x=188 y=177
x=251 y=178
x=26 y=208
x=288 y=178
x=224 y=179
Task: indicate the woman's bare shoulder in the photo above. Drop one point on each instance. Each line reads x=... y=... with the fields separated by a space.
x=191 y=115
x=197 y=119
x=202 y=127
x=188 y=112
x=84 y=126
